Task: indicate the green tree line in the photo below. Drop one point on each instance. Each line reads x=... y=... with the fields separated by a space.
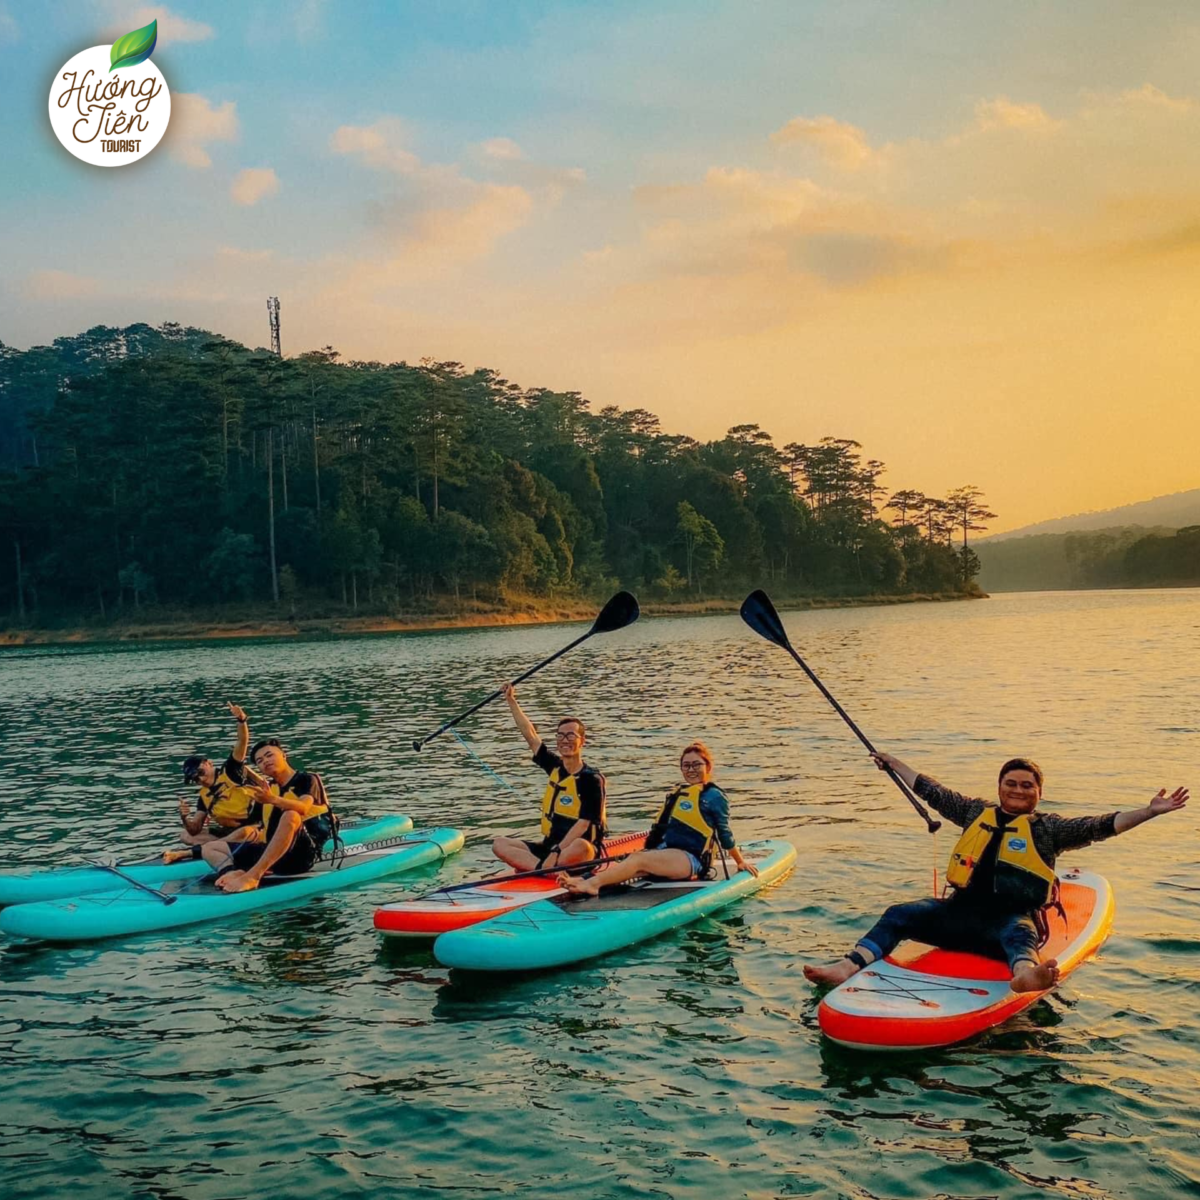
x=173 y=467
x=1124 y=556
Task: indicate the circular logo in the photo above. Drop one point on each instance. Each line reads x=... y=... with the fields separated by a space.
x=109 y=115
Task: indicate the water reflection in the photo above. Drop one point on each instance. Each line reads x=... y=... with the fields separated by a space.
x=298 y=1044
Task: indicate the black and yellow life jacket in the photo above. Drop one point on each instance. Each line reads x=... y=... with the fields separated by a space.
x=561 y=807
x=320 y=821
x=1023 y=880
x=683 y=825
x=226 y=802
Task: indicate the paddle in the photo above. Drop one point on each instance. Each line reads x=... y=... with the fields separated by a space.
x=759 y=613
x=620 y=611
x=137 y=883
x=572 y=869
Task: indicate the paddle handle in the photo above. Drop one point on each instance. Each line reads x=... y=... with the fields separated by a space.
x=499 y=692
x=932 y=825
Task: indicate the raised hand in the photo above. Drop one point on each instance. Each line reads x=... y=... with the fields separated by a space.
x=1162 y=803
x=235 y=710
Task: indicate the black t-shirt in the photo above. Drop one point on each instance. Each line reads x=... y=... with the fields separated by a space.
x=589 y=783
x=302 y=783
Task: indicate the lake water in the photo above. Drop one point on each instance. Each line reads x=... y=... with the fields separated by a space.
x=295 y=1053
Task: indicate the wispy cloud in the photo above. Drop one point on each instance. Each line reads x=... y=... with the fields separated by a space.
x=172 y=27
x=196 y=123
x=382 y=145
x=59 y=285
x=444 y=218
x=842 y=145
x=254 y=184
x=1002 y=113
x=501 y=148
x=10 y=31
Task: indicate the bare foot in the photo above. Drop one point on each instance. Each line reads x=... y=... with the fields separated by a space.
x=174 y=856
x=580 y=887
x=237 y=881
x=837 y=972
x=1036 y=977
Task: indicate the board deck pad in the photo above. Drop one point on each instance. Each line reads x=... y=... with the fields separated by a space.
x=624 y=898
x=921 y=997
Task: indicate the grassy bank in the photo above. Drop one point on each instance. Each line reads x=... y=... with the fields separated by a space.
x=149 y=626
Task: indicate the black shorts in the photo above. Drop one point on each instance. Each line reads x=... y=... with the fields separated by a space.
x=298 y=858
x=541 y=849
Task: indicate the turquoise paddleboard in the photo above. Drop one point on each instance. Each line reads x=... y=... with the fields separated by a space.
x=560 y=930
x=133 y=909
x=30 y=885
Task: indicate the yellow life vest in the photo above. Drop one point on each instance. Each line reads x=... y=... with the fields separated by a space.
x=227 y=803
x=682 y=807
x=268 y=810
x=561 y=807
x=1022 y=876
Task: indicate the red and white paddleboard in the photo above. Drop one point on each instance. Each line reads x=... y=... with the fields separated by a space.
x=436 y=913
x=920 y=998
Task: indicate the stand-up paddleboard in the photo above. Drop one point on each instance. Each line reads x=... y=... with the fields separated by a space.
x=436 y=913
x=560 y=930
x=920 y=998
x=30 y=885
x=138 y=909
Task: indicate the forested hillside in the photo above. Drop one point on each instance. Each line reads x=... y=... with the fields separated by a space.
x=1129 y=556
x=173 y=468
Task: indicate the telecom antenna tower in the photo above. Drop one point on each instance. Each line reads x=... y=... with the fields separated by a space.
x=273 y=314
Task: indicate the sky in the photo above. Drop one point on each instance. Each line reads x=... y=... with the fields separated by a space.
x=966 y=235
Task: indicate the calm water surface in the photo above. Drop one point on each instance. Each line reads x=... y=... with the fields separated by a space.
x=294 y=1053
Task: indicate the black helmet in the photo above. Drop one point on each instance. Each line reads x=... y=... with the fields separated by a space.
x=191 y=768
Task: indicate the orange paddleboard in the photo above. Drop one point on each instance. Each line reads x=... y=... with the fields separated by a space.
x=436 y=913
x=920 y=997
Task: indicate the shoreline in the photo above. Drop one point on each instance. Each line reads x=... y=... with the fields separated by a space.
x=496 y=618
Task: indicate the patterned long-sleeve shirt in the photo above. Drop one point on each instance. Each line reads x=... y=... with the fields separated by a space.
x=1052 y=835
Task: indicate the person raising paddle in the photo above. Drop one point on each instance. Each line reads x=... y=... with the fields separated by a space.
x=1001 y=874
x=691 y=822
x=573 y=805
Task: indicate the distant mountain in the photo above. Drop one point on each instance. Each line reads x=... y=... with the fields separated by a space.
x=1164 y=512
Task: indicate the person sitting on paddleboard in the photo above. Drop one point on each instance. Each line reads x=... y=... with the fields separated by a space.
x=1001 y=872
x=294 y=822
x=227 y=796
x=573 y=805
x=692 y=820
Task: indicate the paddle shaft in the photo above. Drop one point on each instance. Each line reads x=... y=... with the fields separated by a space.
x=137 y=883
x=933 y=825
x=500 y=691
x=572 y=868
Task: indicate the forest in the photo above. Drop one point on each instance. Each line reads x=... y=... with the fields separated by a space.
x=169 y=469
x=1124 y=556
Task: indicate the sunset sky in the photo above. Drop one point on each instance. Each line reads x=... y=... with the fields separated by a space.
x=965 y=234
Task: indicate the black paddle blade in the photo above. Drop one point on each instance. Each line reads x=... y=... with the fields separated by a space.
x=759 y=613
x=620 y=611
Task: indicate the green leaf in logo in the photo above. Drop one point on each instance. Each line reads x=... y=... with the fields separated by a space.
x=134 y=47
